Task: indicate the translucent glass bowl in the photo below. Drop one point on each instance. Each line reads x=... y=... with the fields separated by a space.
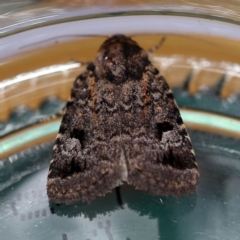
x=199 y=59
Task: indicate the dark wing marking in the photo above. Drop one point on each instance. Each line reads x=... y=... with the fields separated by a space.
x=87 y=152
x=158 y=150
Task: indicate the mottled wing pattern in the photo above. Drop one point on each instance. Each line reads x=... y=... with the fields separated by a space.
x=86 y=155
x=158 y=150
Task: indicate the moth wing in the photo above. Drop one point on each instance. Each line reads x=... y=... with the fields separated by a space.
x=85 y=160
x=158 y=149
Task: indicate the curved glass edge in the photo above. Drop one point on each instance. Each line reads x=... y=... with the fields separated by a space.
x=15 y=167
x=201 y=120
x=207 y=100
x=37 y=15
x=134 y=24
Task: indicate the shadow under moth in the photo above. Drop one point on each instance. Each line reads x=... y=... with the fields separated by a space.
x=121 y=124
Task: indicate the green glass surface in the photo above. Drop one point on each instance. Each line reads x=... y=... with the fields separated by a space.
x=211 y=213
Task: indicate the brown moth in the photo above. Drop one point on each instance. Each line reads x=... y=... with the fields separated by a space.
x=121 y=124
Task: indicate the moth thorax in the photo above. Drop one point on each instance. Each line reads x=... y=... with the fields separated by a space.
x=112 y=66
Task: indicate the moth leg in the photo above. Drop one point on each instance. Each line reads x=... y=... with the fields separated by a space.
x=119 y=197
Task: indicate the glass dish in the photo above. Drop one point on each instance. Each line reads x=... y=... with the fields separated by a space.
x=44 y=46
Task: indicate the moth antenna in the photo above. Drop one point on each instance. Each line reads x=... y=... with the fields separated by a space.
x=156 y=47
x=119 y=197
x=195 y=38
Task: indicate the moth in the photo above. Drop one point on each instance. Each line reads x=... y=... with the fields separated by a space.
x=121 y=124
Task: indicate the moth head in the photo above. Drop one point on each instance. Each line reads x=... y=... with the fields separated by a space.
x=120 y=58
x=117 y=39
